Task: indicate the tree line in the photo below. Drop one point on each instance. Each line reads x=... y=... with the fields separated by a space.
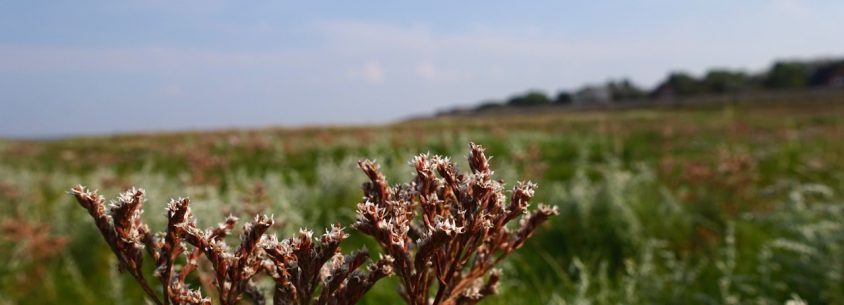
x=782 y=75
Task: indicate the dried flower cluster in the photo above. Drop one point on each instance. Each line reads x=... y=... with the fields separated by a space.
x=446 y=230
x=300 y=266
x=442 y=234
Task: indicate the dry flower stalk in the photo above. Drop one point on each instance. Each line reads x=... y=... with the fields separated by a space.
x=442 y=234
x=306 y=270
x=445 y=230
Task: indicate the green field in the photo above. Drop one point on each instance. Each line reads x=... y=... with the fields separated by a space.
x=735 y=204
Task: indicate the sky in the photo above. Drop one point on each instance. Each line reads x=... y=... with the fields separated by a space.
x=99 y=67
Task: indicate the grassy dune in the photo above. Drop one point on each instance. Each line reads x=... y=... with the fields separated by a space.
x=719 y=204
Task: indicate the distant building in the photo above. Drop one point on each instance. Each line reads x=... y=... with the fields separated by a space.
x=836 y=81
x=664 y=91
x=592 y=95
x=830 y=75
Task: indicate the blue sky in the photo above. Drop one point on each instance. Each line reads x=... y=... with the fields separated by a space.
x=96 y=67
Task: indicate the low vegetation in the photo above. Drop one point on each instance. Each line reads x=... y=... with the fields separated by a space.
x=717 y=204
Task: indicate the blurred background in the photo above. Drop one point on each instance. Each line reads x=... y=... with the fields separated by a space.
x=694 y=148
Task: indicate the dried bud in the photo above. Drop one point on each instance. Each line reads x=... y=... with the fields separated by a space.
x=334 y=235
x=447 y=226
x=478 y=161
x=126 y=215
x=377 y=189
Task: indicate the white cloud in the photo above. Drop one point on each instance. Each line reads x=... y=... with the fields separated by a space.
x=370 y=72
x=431 y=72
x=426 y=71
x=373 y=73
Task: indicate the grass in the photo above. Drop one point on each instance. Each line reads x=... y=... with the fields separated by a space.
x=721 y=204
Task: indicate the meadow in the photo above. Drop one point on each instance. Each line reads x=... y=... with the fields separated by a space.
x=739 y=203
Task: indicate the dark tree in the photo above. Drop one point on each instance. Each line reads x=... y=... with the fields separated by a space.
x=624 y=89
x=679 y=84
x=488 y=104
x=725 y=81
x=564 y=97
x=788 y=75
x=531 y=98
